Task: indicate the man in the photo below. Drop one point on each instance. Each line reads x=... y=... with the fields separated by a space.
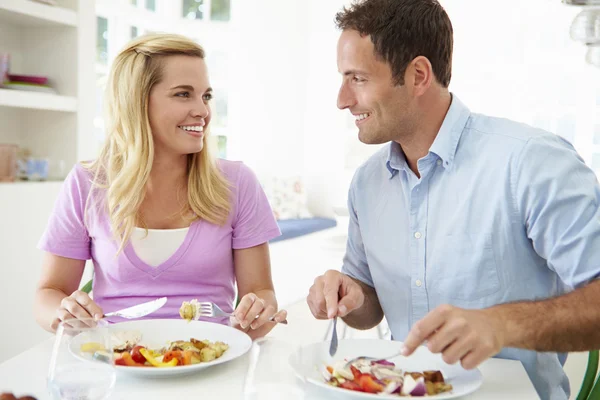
x=476 y=236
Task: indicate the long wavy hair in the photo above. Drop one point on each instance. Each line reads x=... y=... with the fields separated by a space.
x=123 y=168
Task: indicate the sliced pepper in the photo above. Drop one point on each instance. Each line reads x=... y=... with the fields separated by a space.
x=155 y=362
x=357 y=374
x=370 y=385
x=350 y=385
x=126 y=360
x=174 y=354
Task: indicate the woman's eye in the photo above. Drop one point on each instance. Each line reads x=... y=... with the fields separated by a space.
x=208 y=97
x=183 y=94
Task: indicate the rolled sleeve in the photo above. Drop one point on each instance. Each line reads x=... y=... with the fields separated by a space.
x=558 y=198
x=355 y=260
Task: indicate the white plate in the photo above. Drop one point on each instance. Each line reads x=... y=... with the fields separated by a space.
x=308 y=362
x=157 y=333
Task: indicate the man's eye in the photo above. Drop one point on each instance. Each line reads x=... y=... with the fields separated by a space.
x=208 y=97
x=357 y=79
x=183 y=94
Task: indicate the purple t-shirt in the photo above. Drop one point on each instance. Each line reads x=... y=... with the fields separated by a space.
x=202 y=268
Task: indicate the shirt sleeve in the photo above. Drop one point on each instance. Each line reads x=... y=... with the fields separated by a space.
x=355 y=260
x=66 y=234
x=254 y=222
x=558 y=199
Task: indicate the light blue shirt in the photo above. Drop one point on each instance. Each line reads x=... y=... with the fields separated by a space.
x=502 y=212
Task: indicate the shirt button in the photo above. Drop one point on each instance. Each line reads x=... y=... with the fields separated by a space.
x=439 y=162
x=418 y=235
x=418 y=282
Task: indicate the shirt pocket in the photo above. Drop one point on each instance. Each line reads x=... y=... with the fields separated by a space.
x=463 y=267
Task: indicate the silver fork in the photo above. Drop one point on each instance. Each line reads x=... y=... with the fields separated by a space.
x=210 y=309
x=366 y=358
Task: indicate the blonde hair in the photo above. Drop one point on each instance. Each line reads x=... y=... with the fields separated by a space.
x=123 y=168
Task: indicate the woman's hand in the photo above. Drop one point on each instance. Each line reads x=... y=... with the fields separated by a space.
x=77 y=306
x=253 y=313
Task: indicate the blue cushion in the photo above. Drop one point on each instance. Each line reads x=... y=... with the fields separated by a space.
x=291 y=228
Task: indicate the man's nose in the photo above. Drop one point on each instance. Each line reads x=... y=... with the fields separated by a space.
x=345 y=98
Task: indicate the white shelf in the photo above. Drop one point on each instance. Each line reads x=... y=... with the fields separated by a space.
x=37 y=101
x=30 y=13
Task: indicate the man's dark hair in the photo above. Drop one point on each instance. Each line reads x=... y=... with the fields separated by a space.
x=402 y=30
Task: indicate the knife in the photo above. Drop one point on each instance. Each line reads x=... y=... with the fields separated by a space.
x=141 y=310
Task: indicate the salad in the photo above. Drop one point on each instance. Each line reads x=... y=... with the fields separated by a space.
x=383 y=377
x=127 y=351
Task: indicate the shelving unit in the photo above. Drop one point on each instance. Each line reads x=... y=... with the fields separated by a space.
x=37 y=101
x=57 y=42
x=32 y=14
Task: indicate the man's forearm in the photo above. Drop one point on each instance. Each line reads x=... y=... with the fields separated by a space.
x=369 y=314
x=563 y=324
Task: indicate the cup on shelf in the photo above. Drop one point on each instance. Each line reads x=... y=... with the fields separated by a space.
x=37 y=169
x=32 y=168
x=8 y=162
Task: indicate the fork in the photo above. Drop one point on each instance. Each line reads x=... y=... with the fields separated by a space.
x=210 y=309
x=334 y=338
x=366 y=358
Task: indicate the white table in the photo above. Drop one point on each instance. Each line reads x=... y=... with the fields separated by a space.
x=25 y=374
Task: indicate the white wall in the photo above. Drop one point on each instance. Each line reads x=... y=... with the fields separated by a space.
x=283 y=110
x=269 y=75
x=515 y=59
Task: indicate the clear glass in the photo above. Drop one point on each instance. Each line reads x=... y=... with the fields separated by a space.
x=82 y=365
x=269 y=375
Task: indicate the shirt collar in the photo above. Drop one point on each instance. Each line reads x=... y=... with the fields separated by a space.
x=395 y=160
x=446 y=141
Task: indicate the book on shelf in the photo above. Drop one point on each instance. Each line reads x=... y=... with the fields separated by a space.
x=29 y=87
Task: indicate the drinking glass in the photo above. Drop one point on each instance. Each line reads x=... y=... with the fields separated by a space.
x=82 y=365
x=269 y=375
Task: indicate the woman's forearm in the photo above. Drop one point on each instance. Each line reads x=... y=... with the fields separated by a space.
x=47 y=301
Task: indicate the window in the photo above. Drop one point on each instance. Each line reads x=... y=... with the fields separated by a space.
x=122 y=20
x=193 y=9
x=219 y=107
x=597 y=134
x=220 y=10
x=102 y=40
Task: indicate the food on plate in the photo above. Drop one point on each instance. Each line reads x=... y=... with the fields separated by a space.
x=125 y=340
x=128 y=351
x=383 y=377
x=190 y=310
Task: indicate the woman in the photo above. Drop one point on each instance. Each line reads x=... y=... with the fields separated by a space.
x=156 y=213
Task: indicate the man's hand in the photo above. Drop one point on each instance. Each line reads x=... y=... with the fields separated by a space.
x=334 y=295
x=468 y=336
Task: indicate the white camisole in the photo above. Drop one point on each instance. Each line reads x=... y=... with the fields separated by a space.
x=158 y=246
